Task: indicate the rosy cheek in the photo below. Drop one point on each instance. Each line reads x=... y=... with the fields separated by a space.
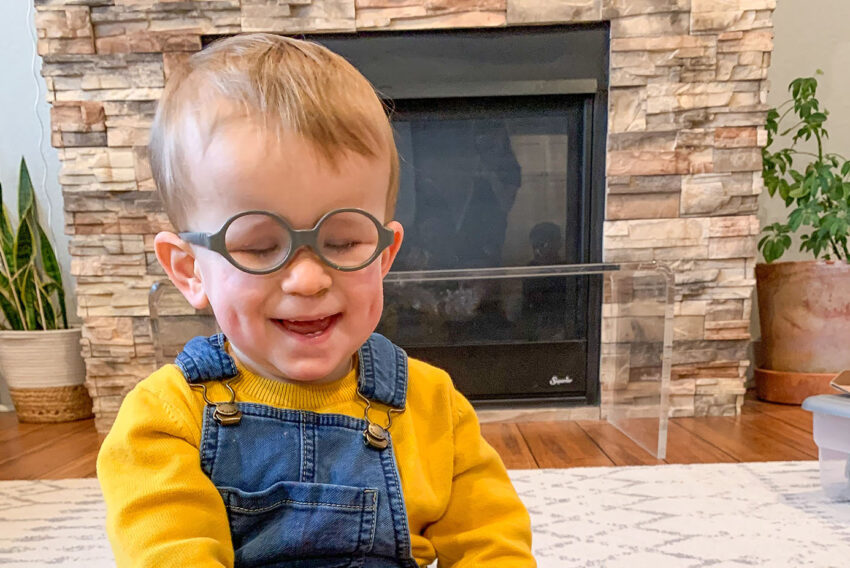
x=377 y=306
x=373 y=294
x=236 y=294
x=228 y=321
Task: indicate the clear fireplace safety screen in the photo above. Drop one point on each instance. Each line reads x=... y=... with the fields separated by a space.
x=487 y=313
x=424 y=308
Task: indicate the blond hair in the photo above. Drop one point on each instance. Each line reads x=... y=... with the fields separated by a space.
x=288 y=84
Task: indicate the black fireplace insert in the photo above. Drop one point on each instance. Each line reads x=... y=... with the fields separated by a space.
x=501 y=136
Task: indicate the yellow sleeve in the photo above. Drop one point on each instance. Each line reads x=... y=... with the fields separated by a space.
x=161 y=509
x=485 y=523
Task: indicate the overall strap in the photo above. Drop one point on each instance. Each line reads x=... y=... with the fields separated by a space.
x=204 y=359
x=382 y=375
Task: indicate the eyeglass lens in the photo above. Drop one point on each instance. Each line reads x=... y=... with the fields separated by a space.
x=259 y=241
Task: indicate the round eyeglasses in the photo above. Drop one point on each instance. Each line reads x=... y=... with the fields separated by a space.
x=260 y=242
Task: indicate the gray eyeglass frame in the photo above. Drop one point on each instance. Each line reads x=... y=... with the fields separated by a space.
x=297 y=239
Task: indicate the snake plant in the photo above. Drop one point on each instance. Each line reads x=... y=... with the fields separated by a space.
x=31 y=293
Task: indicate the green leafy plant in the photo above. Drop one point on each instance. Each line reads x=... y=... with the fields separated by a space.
x=817 y=190
x=31 y=293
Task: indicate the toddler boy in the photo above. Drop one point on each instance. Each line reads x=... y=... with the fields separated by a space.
x=297 y=436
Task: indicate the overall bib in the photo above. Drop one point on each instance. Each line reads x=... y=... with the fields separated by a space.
x=304 y=489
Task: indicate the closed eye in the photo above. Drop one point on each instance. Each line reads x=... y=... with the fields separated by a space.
x=257 y=250
x=342 y=246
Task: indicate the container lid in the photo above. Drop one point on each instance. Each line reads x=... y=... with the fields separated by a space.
x=834 y=404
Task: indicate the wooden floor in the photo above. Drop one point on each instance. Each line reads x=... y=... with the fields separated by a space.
x=764 y=432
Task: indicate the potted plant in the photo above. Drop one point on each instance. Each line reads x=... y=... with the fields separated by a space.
x=39 y=356
x=804 y=307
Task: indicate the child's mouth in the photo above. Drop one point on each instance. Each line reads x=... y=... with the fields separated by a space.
x=308 y=328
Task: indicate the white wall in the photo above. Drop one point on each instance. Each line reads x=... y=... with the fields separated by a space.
x=22 y=135
x=809 y=35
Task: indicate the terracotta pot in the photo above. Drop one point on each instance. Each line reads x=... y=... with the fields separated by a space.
x=804 y=311
x=46 y=374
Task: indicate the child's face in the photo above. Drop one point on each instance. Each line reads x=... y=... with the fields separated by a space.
x=304 y=321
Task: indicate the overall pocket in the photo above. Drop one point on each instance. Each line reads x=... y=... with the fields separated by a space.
x=294 y=520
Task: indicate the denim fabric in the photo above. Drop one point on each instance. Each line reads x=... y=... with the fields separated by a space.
x=302 y=489
x=204 y=359
x=383 y=371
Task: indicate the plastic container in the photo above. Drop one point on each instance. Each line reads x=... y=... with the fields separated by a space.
x=831 y=430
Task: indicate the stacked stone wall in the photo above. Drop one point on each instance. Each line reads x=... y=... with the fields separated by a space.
x=687 y=106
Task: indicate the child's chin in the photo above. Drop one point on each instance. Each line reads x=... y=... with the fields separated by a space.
x=311 y=374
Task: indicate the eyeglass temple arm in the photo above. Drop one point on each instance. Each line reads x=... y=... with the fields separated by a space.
x=202 y=239
x=387 y=236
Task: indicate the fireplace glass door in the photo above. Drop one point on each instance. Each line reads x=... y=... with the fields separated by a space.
x=488 y=183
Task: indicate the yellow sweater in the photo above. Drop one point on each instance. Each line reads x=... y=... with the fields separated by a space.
x=162 y=510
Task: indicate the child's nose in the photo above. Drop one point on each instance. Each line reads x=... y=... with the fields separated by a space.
x=306 y=275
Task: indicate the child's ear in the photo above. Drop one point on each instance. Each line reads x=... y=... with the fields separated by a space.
x=175 y=256
x=388 y=256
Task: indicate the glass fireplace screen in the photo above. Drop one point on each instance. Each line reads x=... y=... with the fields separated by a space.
x=496 y=182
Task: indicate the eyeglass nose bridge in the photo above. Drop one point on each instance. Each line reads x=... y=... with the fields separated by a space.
x=303 y=238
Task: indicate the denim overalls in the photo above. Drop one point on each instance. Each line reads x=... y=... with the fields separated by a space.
x=304 y=489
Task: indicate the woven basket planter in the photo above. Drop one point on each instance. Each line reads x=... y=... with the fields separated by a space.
x=45 y=374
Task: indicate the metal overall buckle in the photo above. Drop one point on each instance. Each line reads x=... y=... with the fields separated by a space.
x=225 y=413
x=376 y=436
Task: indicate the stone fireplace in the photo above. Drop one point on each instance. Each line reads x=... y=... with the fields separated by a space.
x=686 y=106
